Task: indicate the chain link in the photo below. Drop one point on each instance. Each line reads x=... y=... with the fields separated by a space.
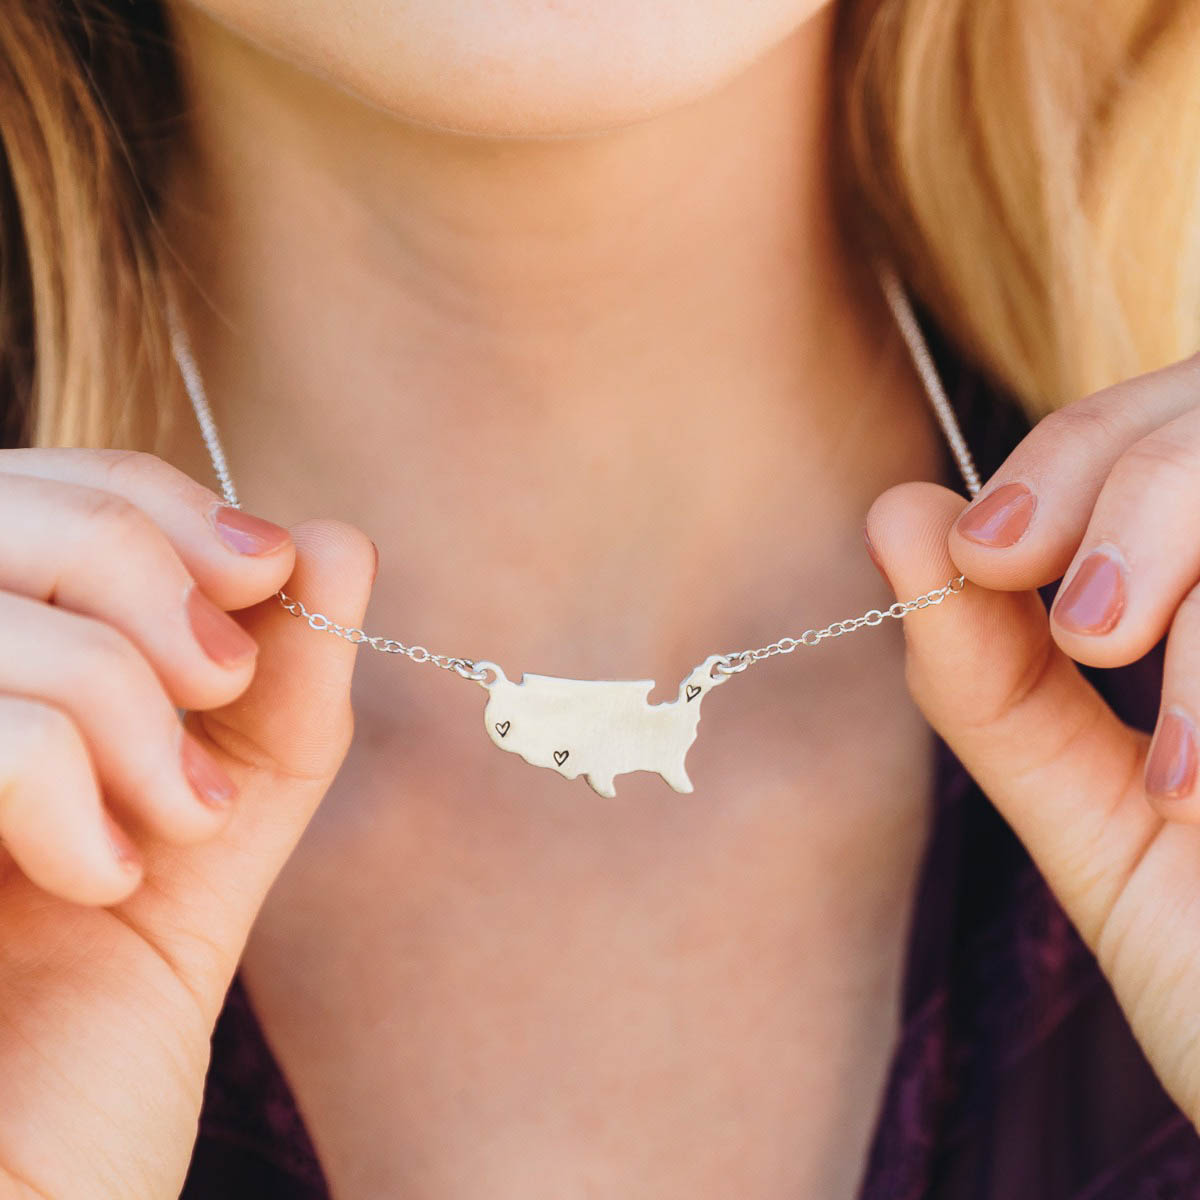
x=739 y=660
x=358 y=637
x=729 y=664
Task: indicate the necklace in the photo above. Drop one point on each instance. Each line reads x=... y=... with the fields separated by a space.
x=601 y=728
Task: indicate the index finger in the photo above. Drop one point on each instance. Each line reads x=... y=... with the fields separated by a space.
x=1027 y=522
x=234 y=556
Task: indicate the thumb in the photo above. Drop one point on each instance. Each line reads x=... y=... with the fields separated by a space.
x=1061 y=767
x=281 y=742
x=295 y=716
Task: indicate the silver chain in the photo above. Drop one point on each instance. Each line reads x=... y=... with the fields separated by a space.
x=732 y=662
x=462 y=666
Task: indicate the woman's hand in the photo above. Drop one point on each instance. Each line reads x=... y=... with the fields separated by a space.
x=136 y=855
x=1105 y=492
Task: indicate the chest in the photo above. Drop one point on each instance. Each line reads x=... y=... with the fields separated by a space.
x=484 y=980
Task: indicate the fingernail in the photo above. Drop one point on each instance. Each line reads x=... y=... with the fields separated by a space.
x=1001 y=518
x=1094 y=599
x=375 y=568
x=246 y=534
x=1171 y=767
x=874 y=556
x=122 y=848
x=219 y=635
x=208 y=781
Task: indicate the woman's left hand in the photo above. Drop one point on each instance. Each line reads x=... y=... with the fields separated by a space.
x=1106 y=494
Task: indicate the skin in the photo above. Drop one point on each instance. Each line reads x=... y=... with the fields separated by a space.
x=508 y=990
x=530 y=372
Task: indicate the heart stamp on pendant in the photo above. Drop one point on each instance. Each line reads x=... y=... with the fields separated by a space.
x=560 y=756
x=693 y=690
x=502 y=727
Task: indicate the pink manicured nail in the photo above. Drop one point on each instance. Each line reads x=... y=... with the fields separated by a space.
x=1171 y=767
x=219 y=635
x=208 y=781
x=1001 y=518
x=122 y=848
x=1095 y=598
x=246 y=534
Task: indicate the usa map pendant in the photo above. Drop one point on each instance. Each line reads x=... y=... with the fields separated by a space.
x=597 y=728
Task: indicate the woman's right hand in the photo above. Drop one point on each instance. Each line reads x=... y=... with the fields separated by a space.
x=137 y=849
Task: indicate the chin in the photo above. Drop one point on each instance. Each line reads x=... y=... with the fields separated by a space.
x=515 y=68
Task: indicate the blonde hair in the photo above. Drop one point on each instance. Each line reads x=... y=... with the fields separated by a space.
x=88 y=112
x=1032 y=167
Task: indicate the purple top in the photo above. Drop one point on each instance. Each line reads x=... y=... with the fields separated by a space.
x=1015 y=1073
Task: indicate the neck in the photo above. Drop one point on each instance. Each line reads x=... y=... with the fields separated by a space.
x=654 y=330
